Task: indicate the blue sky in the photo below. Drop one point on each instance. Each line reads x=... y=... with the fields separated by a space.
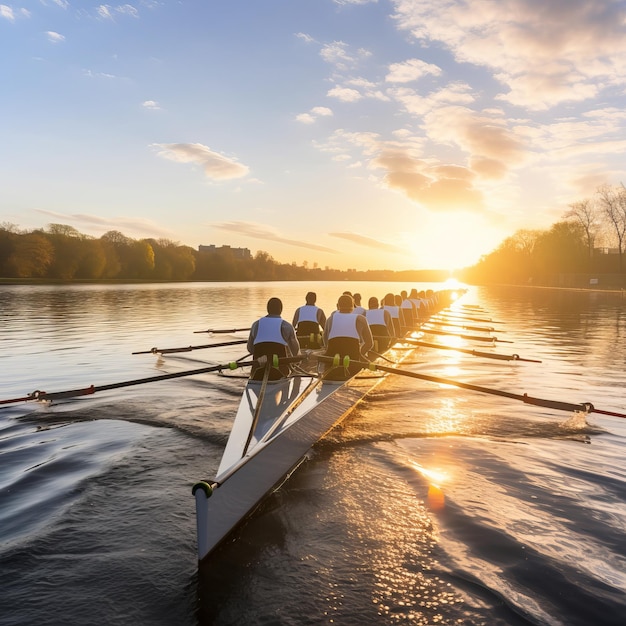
x=356 y=133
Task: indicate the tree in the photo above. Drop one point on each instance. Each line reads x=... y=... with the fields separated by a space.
x=584 y=212
x=512 y=261
x=561 y=249
x=613 y=204
x=31 y=257
x=7 y=246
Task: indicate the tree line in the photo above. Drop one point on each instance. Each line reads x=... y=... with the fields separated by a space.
x=589 y=240
x=588 y=243
x=60 y=252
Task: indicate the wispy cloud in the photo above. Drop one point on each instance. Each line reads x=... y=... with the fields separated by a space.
x=54 y=37
x=305 y=37
x=132 y=227
x=108 y=12
x=340 y=55
x=260 y=231
x=7 y=13
x=216 y=166
x=369 y=242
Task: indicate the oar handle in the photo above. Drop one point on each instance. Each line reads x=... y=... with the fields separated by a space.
x=190 y=348
x=216 y=331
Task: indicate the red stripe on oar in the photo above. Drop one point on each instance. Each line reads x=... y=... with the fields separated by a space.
x=612 y=413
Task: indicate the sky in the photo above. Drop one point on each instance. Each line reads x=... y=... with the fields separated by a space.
x=366 y=134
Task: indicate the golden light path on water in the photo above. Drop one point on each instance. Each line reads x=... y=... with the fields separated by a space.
x=394 y=548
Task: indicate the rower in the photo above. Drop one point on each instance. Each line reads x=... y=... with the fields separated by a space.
x=309 y=321
x=380 y=324
x=420 y=307
x=408 y=315
x=347 y=334
x=360 y=310
x=389 y=304
x=272 y=336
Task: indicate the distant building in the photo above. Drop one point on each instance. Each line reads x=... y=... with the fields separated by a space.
x=238 y=253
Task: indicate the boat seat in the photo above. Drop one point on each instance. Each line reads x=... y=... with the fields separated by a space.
x=269 y=349
x=343 y=346
x=382 y=339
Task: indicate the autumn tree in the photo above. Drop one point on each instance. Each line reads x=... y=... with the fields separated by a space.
x=31 y=256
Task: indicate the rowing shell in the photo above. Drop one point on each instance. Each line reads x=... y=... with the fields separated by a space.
x=276 y=424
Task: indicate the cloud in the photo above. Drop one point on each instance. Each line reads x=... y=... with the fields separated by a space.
x=436 y=187
x=137 y=227
x=7 y=13
x=91 y=74
x=345 y=94
x=540 y=58
x=420 y=102
x=216 y=166
x=127 y=9
x=260 y=231
x=411 y=70
x=306 y=38
x=369 y=242
x=313 y=114
x=485 y=134
x=54 y=37
x=342 y=2
x=153 y=105
x=107 y=12
x=341 y=57
x=104 y=11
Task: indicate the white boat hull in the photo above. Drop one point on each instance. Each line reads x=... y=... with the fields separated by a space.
x=276 y=425
x=259 y=474
x=244 y=485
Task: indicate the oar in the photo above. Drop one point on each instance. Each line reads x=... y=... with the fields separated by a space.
x=466 y=318
x=86 y=391
x=190 y=348
x=432 y=331
x=488 y=355
x=585 y=407
x=486 y=329
x=217 y=331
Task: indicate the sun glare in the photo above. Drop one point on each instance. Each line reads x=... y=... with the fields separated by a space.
x=450 y=242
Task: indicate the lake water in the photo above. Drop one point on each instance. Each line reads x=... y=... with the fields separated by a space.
x=430 y=504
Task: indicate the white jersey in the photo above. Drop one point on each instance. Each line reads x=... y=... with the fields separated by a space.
x=375 y=316
x=343 y=325
x=308 y=313
x=269 y=330
x=394 y=311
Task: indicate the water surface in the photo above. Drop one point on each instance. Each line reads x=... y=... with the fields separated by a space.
x=429 y=505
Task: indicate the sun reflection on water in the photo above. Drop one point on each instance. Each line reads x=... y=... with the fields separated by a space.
x=395 y=546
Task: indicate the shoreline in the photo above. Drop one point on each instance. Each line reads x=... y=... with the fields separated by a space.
x=621 y=291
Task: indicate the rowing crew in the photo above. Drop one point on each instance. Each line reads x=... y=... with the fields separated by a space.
x=346 y=332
